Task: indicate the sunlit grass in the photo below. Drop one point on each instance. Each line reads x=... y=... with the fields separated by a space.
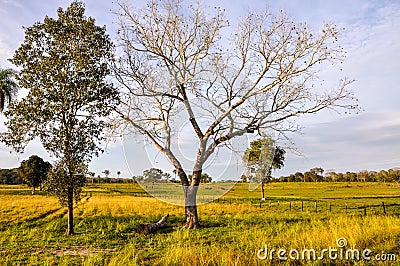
x=17 y=208
x=233 y=229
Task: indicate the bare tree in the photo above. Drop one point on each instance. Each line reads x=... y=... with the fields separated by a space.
x=174 y=64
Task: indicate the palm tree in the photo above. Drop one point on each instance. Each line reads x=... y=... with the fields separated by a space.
x=8 y=87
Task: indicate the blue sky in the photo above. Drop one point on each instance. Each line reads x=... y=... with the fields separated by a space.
x=371 y=37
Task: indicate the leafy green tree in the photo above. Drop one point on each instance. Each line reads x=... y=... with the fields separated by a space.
x=8 y=87
x=137 y=179
x=351 y=177
x=261 y=158
x=64 y=62
x=318 y=173
x=59 y=181
x=381 y=176
x=363 y=176
x=10 y=177
x=106 y=173
x=330 y=176
x=291 y=178
x=340 y=177
x=155 y=175
x=310 y=176
x=393 y=175
x=299 y=177
x=206 y=178
x=34 y=171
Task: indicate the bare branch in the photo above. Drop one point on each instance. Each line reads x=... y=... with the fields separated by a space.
x=172 y=67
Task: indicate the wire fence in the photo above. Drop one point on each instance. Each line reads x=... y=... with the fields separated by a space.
x=320 y=206
x=388 y=206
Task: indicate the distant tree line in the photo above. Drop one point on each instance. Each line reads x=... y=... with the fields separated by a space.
x=155 y=175
x=32 y=172
x=15 y=176
x=10 y=177
x=108 y=180
x=319 y=175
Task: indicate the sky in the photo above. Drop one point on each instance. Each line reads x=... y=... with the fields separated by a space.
x=367 y=141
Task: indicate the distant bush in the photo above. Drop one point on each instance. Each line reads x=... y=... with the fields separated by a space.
x=10 y=177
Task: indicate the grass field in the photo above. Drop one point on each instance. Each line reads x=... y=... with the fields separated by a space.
x=234 y=228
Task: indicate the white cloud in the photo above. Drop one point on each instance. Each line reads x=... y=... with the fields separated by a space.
x=369 y=141
x=14 y=3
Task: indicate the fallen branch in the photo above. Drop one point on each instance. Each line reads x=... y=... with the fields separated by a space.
x=148 y=228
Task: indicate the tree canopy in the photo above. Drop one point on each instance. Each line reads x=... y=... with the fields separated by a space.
x=106 y=173
x=155 y=175
x=263 y=156
x=175 y=66
x=34 y=171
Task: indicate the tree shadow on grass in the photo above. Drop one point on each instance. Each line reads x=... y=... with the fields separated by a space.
x=213 y=223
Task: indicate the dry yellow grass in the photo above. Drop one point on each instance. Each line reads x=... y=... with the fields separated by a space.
x=33 y=229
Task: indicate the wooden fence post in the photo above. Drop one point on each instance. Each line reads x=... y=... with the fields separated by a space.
x=316 y=207
x=383 y=206
x=302 y=205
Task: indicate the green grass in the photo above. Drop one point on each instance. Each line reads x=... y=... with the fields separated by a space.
x=234 y=228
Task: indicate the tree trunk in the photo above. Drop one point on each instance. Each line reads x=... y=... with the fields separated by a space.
x=33 y=190
x=190 y=194
x=152 y=227
x=192 y=218
x=262 y=190
x=70 y=228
